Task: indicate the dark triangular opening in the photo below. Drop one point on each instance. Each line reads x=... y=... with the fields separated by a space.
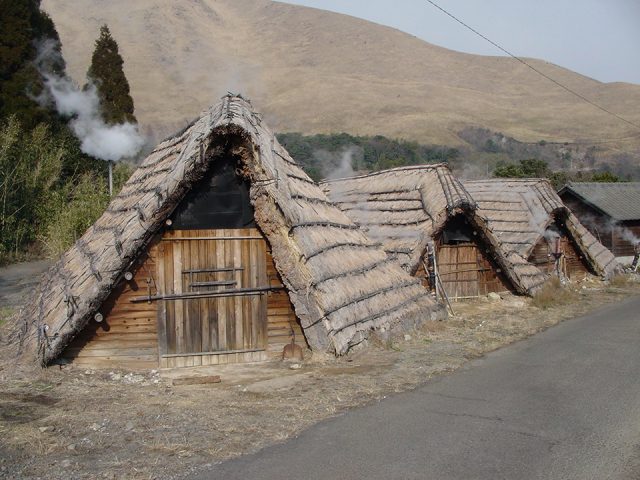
x=219 y=200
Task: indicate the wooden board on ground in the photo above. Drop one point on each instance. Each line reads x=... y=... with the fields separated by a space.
x=200 y=380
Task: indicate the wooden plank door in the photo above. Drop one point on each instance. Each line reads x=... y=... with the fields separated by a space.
x=221 y=273
x=543 y=258
x=459 y=270
x=575 y=262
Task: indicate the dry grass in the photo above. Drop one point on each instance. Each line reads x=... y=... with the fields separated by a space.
x=168 y=431
x=621 y=280
x=433 y=327
x=553 y=293
x=337 y=71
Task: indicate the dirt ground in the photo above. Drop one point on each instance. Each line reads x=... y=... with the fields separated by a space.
x=80 y=424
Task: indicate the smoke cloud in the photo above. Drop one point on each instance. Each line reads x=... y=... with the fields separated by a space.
x=106 y=142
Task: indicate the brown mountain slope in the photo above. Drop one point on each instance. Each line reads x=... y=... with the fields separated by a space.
x=314 y=71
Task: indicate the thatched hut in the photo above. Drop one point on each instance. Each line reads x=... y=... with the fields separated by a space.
x=536 y=233
x=217 y=247
x=415 y=210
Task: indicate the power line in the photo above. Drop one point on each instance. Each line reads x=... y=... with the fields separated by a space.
x=515 y=57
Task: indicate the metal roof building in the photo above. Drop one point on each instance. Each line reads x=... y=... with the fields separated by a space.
x=610 y=210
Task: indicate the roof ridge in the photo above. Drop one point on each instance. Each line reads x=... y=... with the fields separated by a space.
x=426 y=166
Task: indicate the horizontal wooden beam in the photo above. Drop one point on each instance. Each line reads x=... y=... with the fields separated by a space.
x=183 y=239
x=221 y=352
x=238 y=292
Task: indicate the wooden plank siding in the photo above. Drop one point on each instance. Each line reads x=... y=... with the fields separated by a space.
x=618 y=237
x=234 y=328
x=281 y=318
x=128 y=335
x=171 y=334
x=466 y=272
x=541 y=258
x=624 y=237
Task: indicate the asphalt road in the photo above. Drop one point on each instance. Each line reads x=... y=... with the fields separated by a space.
x=17 y=281
x=564 y=404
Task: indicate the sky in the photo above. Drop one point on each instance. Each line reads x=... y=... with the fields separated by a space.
x=597 y=38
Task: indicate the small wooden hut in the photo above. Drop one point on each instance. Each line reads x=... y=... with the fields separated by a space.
x=412 y=210
x=610 y=211
x=216 y=249
x=536 y=233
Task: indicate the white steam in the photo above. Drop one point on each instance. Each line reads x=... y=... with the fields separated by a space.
x=617 y=229
x=106 y=142
x=337 y=165
x=605 y=229
x=628 y=235
x=539 y=219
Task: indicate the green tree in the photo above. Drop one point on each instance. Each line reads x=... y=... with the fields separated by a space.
x=605 y=177
x=507 y=170
x=26 y=32
x=534 y=168
x=530 y=168
x=106 y=73
x=560 y=179
x=374 y=153
x=491 y=146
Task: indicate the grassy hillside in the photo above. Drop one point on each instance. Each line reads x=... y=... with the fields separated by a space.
x=313 y=71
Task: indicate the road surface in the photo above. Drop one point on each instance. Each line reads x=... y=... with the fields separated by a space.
x=17 y=281
x=564 y=404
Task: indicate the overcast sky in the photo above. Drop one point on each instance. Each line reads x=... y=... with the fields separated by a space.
x=598 y=38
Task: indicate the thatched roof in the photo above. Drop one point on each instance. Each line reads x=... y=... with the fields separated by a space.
x=620 y=201
x=516 y=213
x=340 y=283
x=402 y=208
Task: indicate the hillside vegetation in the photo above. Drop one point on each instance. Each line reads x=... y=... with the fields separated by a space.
x=52 y=188
x=313 y=71
x=339 y=155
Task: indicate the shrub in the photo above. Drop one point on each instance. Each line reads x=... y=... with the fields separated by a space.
x=74 y=209
x=30 y=168
x=619 y=280
x=552 y=294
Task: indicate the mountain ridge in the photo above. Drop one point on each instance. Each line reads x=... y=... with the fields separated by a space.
x=315 y=71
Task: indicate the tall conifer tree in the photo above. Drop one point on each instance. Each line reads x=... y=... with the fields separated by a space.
x=108 y=76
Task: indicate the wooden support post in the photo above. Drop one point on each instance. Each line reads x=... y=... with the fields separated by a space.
x=439 y=286
x=110 y=178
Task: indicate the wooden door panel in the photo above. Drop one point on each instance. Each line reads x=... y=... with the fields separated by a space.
x=213 y=263
x=459 y=270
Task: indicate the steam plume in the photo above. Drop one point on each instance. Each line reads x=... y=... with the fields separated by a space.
x=337 y=165
x=106 y=142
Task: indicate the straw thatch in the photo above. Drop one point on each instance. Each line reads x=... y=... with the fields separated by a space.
x=402 y=208
x=517 y=212
x=340 y=283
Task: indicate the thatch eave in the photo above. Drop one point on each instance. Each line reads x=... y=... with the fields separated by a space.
x=515 y=214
